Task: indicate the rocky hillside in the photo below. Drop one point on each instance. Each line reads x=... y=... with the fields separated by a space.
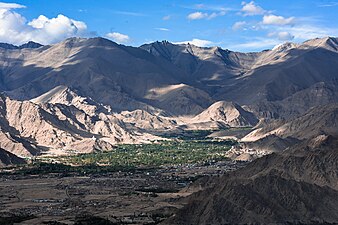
x=298 y=186
x=29 y=129
x=317 y=121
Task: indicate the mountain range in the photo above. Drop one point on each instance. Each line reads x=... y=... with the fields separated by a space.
x=84 y=95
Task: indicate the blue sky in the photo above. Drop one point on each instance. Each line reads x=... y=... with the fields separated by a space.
x=236 y=25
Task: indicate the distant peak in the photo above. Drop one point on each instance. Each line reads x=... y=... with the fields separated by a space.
x=83 y=42
x=284 y=46
x=322 y=42
x=29 y=44
x=165 y=42
x=8 y=46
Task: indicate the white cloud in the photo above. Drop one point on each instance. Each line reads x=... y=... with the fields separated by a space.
x=216 y=14
x=168 y=17
x=4 y=5
x=277 y=20
x=216 y=8
x=127 y=13
x=251 y=9
x=197 y=42
x=279 y=35
x=285 y=36
x=257 y=44
x=331 y=4
x=15 y=29
x=197 y=16
x=162 y=29
x=239 y=25
x=118 y=37
x=308 y=31
x=200 y=15
x=282 y=35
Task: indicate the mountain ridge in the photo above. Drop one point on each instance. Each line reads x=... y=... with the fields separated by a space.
x=30 y=44
x=221 y=74
x=116 y=93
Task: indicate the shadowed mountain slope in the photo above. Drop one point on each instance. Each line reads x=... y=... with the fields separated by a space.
x=7 y=158
x=298 y=186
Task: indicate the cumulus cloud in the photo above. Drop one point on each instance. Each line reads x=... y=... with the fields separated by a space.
x=251 y=9
x=277 y=20
x=239 y=25
x=308 y=31
x=197 y=16
x=282 y=35
x=118 y=37
x=197 y=42
x=15 y=29
x=200 y=15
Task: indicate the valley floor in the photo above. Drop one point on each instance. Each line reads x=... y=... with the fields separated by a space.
x=142 y=196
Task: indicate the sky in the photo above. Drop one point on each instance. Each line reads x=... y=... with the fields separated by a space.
x=236 y=25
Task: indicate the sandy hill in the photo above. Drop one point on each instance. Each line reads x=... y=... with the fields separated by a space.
x=145 y=121
x=29 y=129
x=229 y=113
x=64 y=95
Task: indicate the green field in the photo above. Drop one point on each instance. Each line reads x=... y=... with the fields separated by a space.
x=129 y=157
x=164 y=153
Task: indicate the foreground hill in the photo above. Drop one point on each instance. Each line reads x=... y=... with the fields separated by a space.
x=298 y=186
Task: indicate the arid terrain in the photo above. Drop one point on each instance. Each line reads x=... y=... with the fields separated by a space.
x=146 y=196
x=186 y=135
